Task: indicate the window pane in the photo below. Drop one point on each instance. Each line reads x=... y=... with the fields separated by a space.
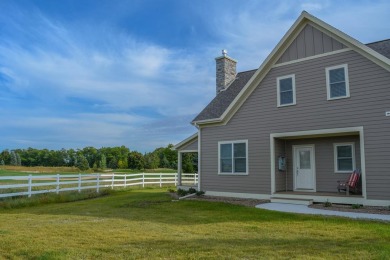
x=226 y=165
x=240 y=165
x=286 y=97
x=345 y=164
x=226 y=150
x=337 y=75
x=240 y=150
x=285 y=84
x=344 y=151
x=338 y=90
x=304 y=159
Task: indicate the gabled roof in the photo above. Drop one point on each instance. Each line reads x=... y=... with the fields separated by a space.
x=226 y=103
x=221 y=102
x=383 y=47
x=186 y=141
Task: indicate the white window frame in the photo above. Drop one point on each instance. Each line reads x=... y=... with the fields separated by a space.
x=336 y=167
x=219 y=157
x=278 y=79
x=345 y=66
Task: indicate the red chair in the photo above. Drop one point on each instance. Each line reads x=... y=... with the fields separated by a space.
x=351 y=184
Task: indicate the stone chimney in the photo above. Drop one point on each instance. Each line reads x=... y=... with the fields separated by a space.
x=226 y=71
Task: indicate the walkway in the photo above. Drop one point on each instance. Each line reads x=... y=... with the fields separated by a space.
x=303 y=209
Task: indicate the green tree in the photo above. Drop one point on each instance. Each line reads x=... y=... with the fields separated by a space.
x=14 y=160
x=82 y=163
x=103 y=162
x=122 y=164
x=152 y=161
x=113 y=163
x=136 y=160
x=188 y=163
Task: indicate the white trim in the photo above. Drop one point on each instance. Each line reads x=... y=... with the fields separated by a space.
x=363 y=162
x=238 y=195
x=179 y=167
x=312 y=161
x=246 y=157
x=311 y=57
x=186 y=141
x=280 y=48
x=278 y=79
x=358 y=129
x=199 y=158
x=327 y=70
x=336 y=168
x=188 y=151
x=323 y=198
x=316 y=198
x=379 y=203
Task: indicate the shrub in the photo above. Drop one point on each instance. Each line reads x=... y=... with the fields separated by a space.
x=171 y=190
x=356 y=206
x=191 y=190
x=199 y=193
x=328 y=204
x=181 y=192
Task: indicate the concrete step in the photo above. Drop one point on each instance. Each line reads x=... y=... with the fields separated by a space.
x=292 y=201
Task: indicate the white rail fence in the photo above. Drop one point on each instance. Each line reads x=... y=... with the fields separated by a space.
x=11 y=186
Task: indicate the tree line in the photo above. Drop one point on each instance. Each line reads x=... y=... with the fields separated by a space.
x=99 y=159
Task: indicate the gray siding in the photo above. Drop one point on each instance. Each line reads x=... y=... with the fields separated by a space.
x=326 y=178
x=259 y=116
x=191 y=146
x=310 y=42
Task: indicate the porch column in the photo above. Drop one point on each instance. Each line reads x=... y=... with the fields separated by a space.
x=179 y=168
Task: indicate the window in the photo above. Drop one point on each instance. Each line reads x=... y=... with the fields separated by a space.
x=286 y=90
x=344 y=157
x=233 y=157
x=337 y=84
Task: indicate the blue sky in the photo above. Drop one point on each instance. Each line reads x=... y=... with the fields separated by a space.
x=82 y=73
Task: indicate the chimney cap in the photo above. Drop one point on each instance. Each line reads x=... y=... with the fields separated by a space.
x=224 y=52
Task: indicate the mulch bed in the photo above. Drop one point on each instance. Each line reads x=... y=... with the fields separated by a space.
x=254 y=202
x=349 y=208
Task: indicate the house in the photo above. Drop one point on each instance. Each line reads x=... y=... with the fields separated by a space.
x=317 y=108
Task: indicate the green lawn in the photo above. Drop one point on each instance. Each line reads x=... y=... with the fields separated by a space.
x=147 y=224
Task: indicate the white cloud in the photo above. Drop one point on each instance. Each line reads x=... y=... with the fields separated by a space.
x=114 y=88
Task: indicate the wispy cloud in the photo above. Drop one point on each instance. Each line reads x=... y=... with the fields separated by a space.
x=70 y=84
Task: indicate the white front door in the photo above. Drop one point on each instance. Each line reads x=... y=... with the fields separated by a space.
x=304 y=168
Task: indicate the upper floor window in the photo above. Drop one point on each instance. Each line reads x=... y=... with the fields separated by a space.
x=233 y=157
x=337 y=84
x=286 y=90
x=344 y=157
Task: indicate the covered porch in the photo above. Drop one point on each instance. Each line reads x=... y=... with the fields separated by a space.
x=308 y=164
x=187 y=147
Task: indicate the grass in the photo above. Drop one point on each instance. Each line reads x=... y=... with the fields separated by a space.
x=8 y=170
x=147 y=224
x=47 y=198
x=24 y=170
x=159 y=170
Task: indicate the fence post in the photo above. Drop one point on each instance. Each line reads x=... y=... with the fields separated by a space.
x=79 y=182
x=29 y=184
x=112 y=182
x=97 y=183
x=58 y=183
x=176 y=179
x=194 y=178
x=125 y=180
x=160 y=180
x=143 y=180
